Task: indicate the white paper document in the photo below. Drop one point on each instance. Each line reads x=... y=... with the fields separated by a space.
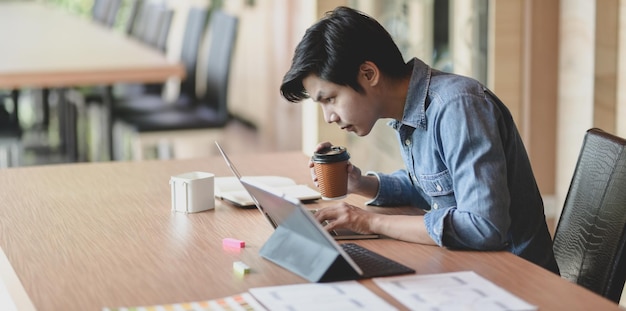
x=6 y=302
x=339 y=296
x=9 y=286
x=450 y=291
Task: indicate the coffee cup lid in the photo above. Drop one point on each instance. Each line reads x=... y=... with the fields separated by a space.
x=331 y=154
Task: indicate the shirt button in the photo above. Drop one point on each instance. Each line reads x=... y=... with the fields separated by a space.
x=407 y=142
x=438 y=187
x=435 y=206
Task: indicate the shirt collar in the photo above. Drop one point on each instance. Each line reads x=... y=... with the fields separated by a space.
x=415 y=105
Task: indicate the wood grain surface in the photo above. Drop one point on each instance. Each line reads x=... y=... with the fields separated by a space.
x=93 y=235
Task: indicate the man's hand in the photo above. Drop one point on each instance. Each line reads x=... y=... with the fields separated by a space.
x=354 y=173
x=344 y=215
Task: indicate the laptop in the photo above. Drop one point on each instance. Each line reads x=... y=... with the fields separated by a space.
x=337 y=234
x=301 y=245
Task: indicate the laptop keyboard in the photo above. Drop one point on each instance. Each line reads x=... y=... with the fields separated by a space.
x=374 y=264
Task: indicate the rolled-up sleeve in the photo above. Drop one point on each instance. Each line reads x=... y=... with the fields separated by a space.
x=456 y=229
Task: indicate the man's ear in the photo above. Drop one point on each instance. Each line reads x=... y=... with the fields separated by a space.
x=369 y=73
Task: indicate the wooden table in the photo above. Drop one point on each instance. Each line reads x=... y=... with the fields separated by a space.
x=46 y=47
x=89 y=235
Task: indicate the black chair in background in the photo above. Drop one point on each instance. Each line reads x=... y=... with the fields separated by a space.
x=163 y=30
x=105 y=11
x=150 y=98
x=114 y=8
x=151 y=26
x=100 y=10
x=589 y=241
x=133 y=12
x=207 y=111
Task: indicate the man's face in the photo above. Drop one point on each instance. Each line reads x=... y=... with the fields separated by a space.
x=351 y=110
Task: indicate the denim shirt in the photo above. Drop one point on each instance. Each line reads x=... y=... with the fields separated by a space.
x=467 y=166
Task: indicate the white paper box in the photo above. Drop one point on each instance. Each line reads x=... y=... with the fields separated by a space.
x=193 y=192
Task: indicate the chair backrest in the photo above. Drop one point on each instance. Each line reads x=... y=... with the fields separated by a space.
x=105 y=11
x=157 y=20
x=163 y=30
x=220 y=38
x=152 y=24
x=590 y=235
x=133 y=15
x=111 y=16
x=194 y=28
x=100 y=10
x=137 y=26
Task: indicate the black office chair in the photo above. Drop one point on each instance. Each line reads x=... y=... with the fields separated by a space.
x=590 y=236
x=151 y=26
x=154 y=25
x=100 y=10
x=153 y=29
x=133 y=14
x=149 y=98
x=105 y=11
x=209 y=110
x=114 y=8
x=163 y=30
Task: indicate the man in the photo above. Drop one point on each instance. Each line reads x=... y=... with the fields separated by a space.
x=466 y=164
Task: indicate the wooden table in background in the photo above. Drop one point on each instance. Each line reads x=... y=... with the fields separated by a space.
x=46 y=47
x=91 y=235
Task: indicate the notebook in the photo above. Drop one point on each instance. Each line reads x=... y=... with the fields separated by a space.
x=228 y=188
x=338 y=234
x=301 y=245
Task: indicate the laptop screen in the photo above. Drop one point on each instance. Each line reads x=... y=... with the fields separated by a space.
x=228 y=162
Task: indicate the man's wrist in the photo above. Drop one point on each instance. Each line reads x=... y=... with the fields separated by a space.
x=368 y=186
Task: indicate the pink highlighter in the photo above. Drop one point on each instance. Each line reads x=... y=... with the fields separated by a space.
x=233 y=243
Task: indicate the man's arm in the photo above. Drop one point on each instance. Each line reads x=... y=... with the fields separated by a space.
x=402 y=227
x=409 y=228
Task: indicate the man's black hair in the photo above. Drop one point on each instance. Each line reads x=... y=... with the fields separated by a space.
x=335 y=47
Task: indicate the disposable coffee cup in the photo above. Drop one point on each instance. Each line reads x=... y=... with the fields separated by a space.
x=331 y=169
